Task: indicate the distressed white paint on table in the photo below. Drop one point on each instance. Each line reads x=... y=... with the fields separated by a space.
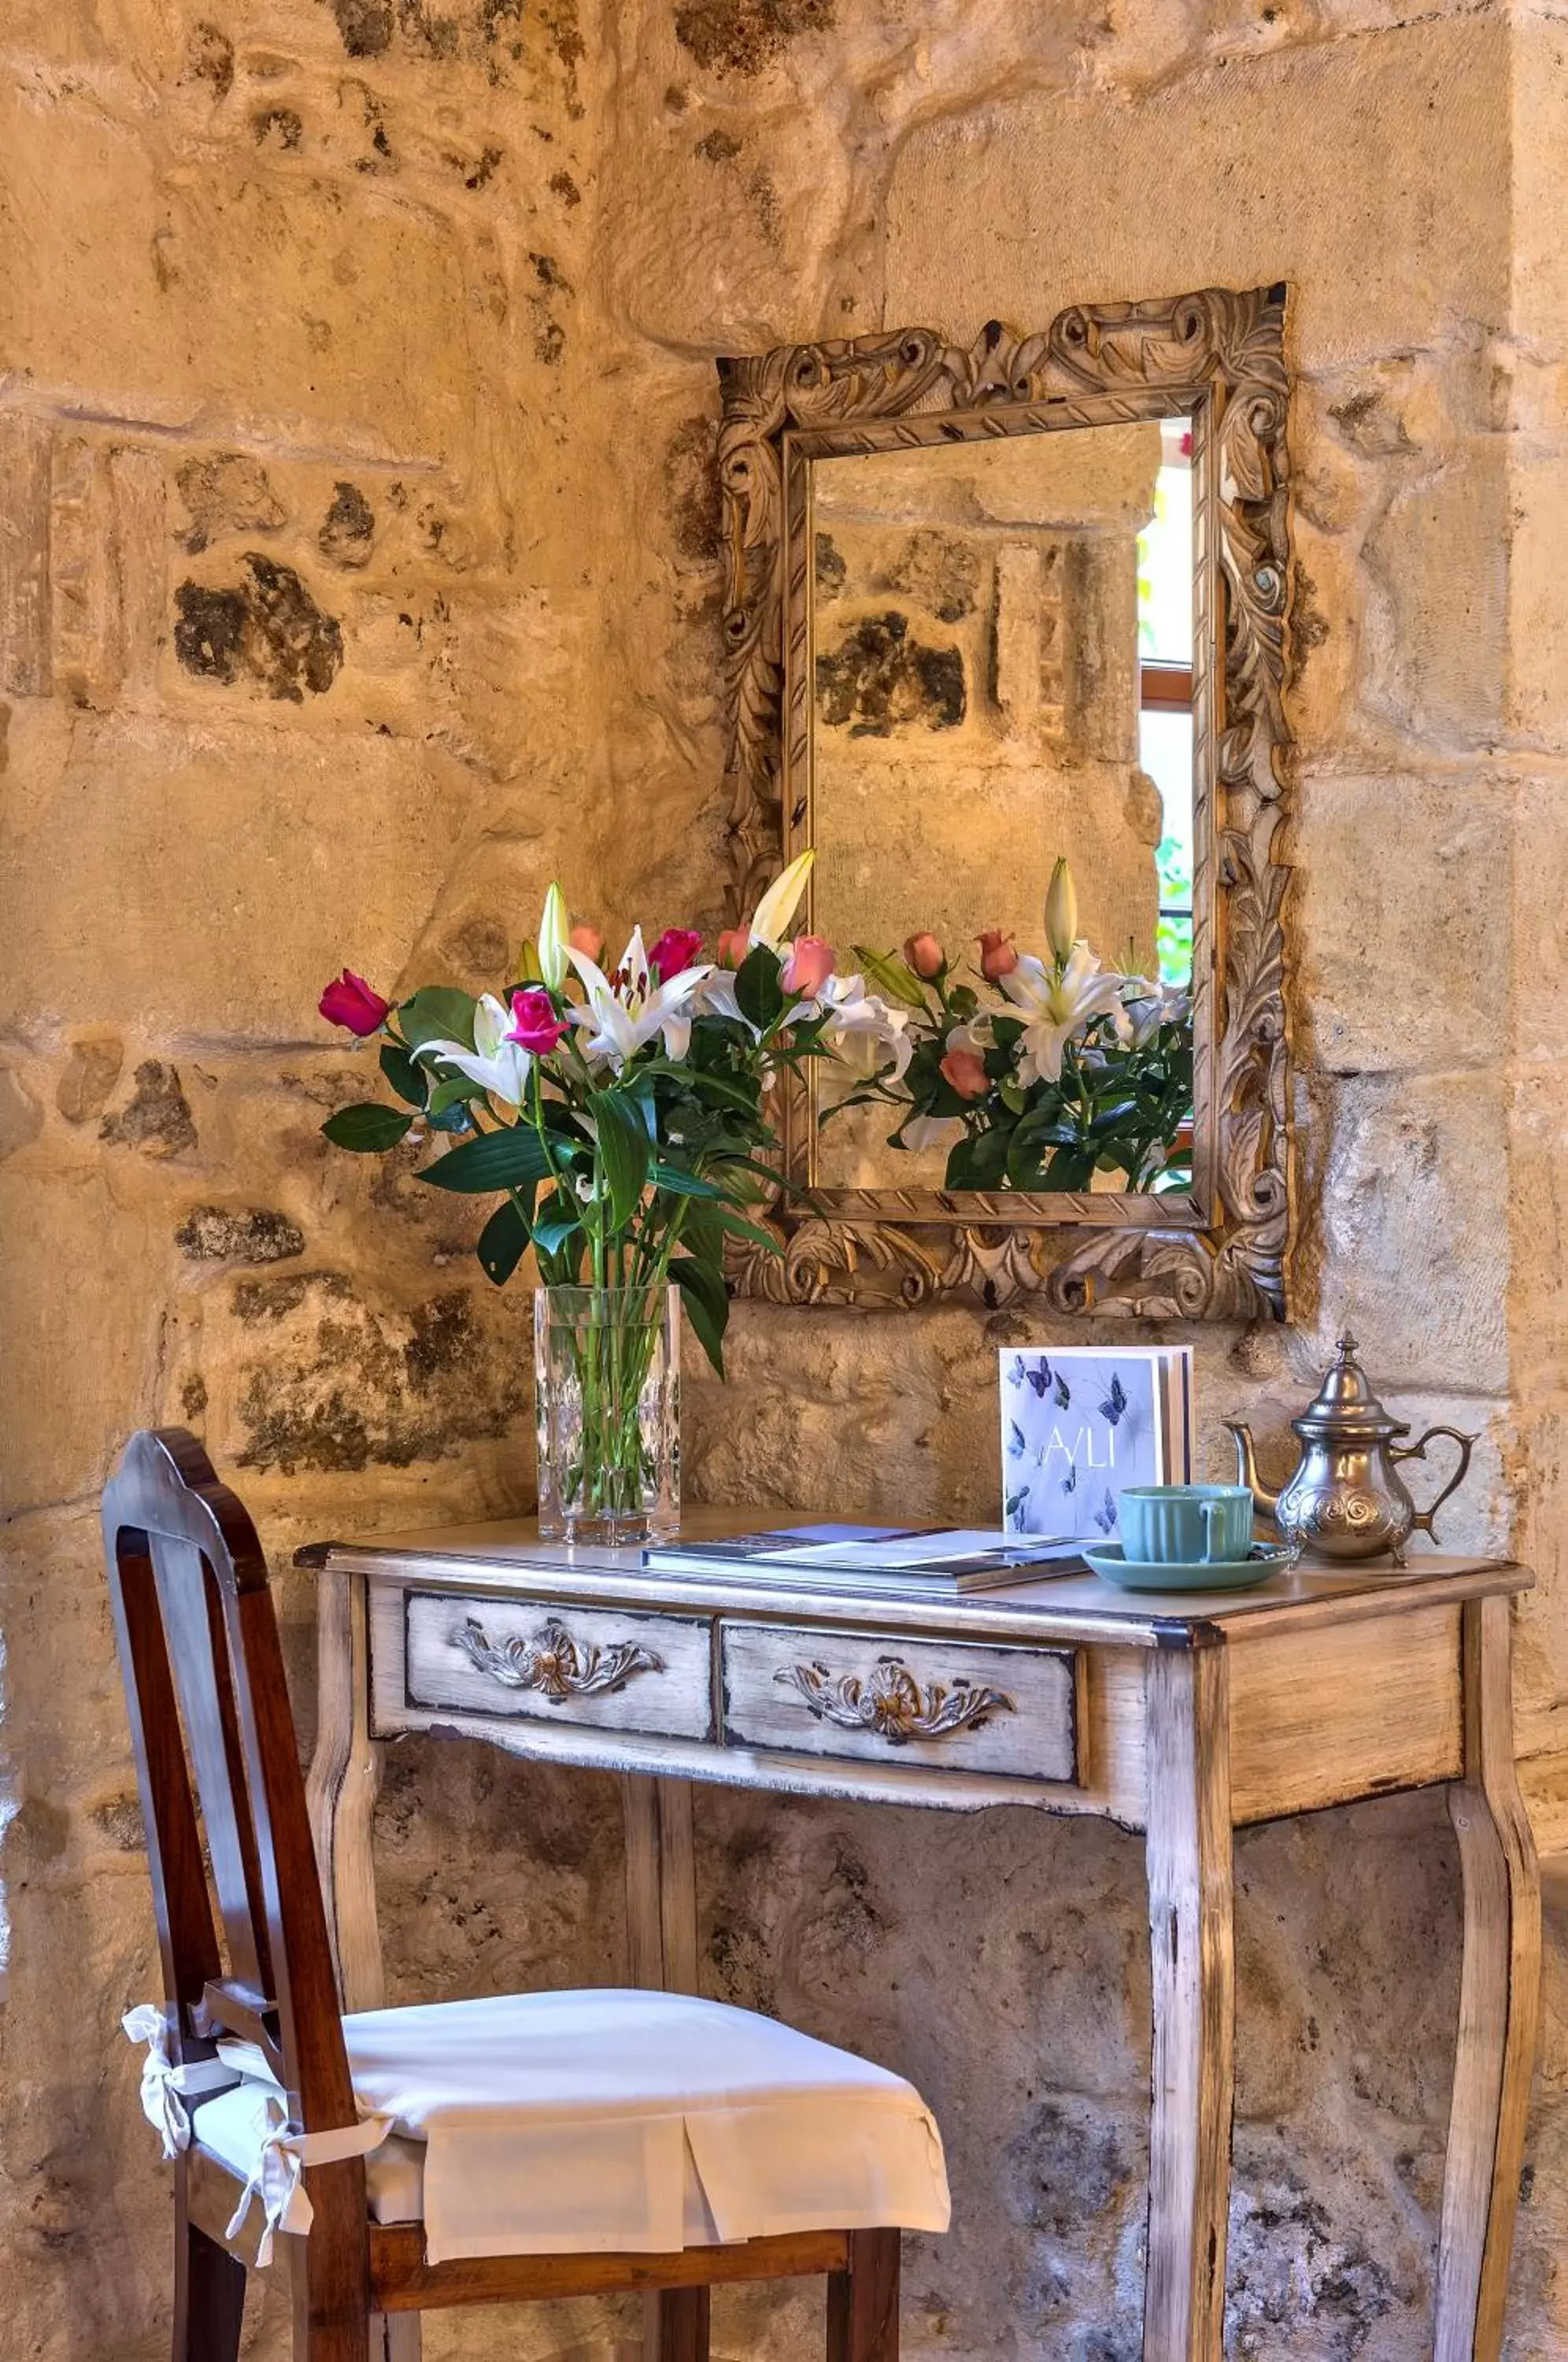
x=1185 y=1716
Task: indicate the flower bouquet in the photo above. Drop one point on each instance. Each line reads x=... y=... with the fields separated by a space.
x=1065 y=1069
x=618 y=1117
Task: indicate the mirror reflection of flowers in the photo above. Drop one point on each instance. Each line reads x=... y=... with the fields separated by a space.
x=617 y=1113
x=1040 y=1072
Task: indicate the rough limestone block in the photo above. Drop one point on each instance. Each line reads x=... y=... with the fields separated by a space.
x=1438 y=619
x=251 y=300
x=1537 y=708
x=1409 y=1238
x=1361 y=950
x=83 y=1268
x=712 y=244
x=1331 y=166
x=216 y=884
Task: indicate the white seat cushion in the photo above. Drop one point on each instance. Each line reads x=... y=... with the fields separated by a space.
x=576 y=2123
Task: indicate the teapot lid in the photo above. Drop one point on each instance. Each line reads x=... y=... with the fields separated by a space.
x=1345 y=1406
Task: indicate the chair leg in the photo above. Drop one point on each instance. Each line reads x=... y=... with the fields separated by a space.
x=209 y=2296
x=863 y=2303
x=677 y=2327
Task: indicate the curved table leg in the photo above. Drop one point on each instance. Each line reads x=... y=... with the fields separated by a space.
x=1191 y=1908
x=1499 y=2004
x=345 y=1774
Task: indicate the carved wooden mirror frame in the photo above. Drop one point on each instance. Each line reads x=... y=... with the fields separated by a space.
x=1215 y=1252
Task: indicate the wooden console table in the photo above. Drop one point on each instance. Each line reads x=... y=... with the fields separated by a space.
x=1185 y=1718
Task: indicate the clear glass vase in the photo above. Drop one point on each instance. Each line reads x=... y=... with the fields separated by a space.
x=607 y=1402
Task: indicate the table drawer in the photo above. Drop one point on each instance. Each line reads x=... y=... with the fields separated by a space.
x=591 y=1666
x=963 y=1707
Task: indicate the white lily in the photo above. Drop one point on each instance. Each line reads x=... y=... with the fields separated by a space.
x=778 y=905
x=1146 y=1005
x=862 y=1030
x=623 y=1016
x=502 y=1067
x=1058 y=1003
x=978 y=1035
x=717 y=997
x=938 y=1131
x=553 y=933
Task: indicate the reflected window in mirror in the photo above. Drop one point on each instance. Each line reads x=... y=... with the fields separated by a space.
x=1165 y=659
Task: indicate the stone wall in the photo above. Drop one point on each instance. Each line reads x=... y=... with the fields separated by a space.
x=359 y=572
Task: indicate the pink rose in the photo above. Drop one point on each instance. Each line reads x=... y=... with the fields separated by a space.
x=589 y=941
x=808 y=966
x=998 y=957
x=733 y=944
x=964 y=1072
x=349 y=1001
x=675 y=952
x=925 y=955
x=533 y=1021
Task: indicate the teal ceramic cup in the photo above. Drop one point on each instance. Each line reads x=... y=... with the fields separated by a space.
x=1186 y=1525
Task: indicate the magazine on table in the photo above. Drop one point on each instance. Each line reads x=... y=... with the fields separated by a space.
x=1079 y=1424
x=842 y=1557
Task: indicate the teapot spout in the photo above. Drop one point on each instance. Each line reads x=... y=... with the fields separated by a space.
x=1247 y=1468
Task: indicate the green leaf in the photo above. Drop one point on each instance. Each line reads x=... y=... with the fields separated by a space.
x=678 y=1184
x=367 y=1128
x=497 y=1159
x=623 y=1151
x=450 y=1101
x=739 y=1227
x=891 y=977
x=454 y=1090
x=439 y=1014
x=503 y=1243
x=551 y=1231
x=407 y=1080
x=759 y=995
x=707 y=1303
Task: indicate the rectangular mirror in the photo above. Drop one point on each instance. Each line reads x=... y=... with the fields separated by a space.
x=991 y=608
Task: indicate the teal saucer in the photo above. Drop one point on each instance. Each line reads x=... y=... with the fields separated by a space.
x=1110 y=1560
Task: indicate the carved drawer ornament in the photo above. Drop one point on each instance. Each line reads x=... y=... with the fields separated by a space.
x=1218 y=356
x=891 y=1703
x=551 y=1661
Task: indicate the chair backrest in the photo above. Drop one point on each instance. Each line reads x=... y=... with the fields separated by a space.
x=216 y=1754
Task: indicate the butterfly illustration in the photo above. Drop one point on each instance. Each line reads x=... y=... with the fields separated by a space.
x=1105 y=1517
x=1015 y=1502
x=1063 y=1392
x=1040 y=1379
x=1115 y=1403
x=1015 y=1441
x=1070 y=1481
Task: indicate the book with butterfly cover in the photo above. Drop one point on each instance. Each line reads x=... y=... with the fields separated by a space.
x=1081 y=1423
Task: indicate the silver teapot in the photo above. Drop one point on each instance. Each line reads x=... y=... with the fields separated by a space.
x=1346 y=1499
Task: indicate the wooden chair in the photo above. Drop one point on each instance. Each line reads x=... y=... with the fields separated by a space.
x=216 y=1755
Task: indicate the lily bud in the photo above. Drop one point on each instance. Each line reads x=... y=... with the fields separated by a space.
x=777 y=908
x=1061 y=913
x=553 y=939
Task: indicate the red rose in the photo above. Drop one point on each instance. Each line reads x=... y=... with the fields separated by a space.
x=349 y=1001
x=675 y=952
x=534 y=1021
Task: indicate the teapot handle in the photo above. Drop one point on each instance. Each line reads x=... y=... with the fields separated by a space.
x=1423 y=1521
